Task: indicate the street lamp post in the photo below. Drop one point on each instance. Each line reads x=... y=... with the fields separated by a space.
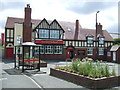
x=96 y=24
x=96 y=36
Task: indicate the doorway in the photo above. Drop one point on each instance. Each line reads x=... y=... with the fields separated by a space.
x=71 y=55
x=114 y=56
x=70 y=52
x=9 y=53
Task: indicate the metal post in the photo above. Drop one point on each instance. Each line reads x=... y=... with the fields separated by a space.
x=96 y=37
x=15 y=57
x=39 y=60
x=23 y=58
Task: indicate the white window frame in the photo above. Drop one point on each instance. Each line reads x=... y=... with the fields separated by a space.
x=42 y=49
x=101 y=51
x=108 y=53
x=58 y=49
x=101 y=40
x=54 y=34
x=90 y=50
x=90 y=40
x=43 y=33
x=49 y=49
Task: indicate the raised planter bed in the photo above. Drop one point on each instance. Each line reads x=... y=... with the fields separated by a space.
x=100 y=83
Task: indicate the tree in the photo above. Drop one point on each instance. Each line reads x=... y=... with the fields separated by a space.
x=117 y=41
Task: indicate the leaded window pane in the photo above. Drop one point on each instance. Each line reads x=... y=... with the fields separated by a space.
x=54 y=33
x=90 y=40
x=43 y=33
x=57 y=49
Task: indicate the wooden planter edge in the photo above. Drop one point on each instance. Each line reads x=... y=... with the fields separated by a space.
x=102 y=83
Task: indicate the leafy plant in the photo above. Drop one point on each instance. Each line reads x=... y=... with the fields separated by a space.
x=113 y=72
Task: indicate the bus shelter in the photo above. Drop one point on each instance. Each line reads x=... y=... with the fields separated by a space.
x=27 y=56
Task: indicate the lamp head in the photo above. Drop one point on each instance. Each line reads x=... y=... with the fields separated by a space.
x=98 y=11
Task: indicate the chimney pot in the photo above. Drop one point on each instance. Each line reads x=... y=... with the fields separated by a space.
x=28 y=5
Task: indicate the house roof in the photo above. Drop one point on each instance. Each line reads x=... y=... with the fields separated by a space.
x=69 y=28
x=115 y=48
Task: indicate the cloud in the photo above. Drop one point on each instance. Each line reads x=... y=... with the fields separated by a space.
x=11 y=5
x=113 y=28
x=89 y=7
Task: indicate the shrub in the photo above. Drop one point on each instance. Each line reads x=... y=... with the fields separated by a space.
x=75 y=64
x=107 y=73
x=113 y=72
x=87 y=67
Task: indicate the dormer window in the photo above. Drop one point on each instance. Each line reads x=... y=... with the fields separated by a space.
x=54 y=34
x=101 y=40
x=90 y=40
x=43 y=33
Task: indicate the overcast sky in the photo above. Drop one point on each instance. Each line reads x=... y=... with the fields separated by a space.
x=64 y=10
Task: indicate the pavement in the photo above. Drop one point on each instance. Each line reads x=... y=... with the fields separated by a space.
x=13 y=78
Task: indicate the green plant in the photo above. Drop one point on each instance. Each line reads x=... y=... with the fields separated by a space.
x=75 y=64
x=117 y=41
x=113 y=72
x=107 y=73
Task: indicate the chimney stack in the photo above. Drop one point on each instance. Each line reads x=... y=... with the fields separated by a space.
x=76 y=30
x=27 y=26
x=99 y=29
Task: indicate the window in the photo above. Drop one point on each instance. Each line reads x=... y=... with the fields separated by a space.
x=108 y=53
x=43 y=33
x=48 y=49
x=42 y=50
x=81 y=52
x=58 y=50
x=61 y=34
x=54 y=33
x=90 y=51
x=101 y=51
x=36 y=50
x=9 y=35
x=101 y=40
x=90 y=40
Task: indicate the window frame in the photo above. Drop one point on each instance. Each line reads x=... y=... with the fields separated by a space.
x=99 y=39
x=53 y=33
x=101 y=50
x=109 y=53
x=59 y=48
x=90 y=50
x=51 y=48
x=90 y=41
x=46 y=33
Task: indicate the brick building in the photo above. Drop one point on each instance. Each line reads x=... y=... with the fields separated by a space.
x=60 y=40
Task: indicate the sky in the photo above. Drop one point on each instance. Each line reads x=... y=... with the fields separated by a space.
x=65 y=10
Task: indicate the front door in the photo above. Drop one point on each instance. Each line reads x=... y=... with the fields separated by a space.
x=70 y=52
x=114 y=56
x=9 y=53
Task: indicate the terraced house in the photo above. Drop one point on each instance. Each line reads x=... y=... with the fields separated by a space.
x=60 y=40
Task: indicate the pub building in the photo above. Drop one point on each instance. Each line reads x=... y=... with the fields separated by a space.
x=59 y=40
